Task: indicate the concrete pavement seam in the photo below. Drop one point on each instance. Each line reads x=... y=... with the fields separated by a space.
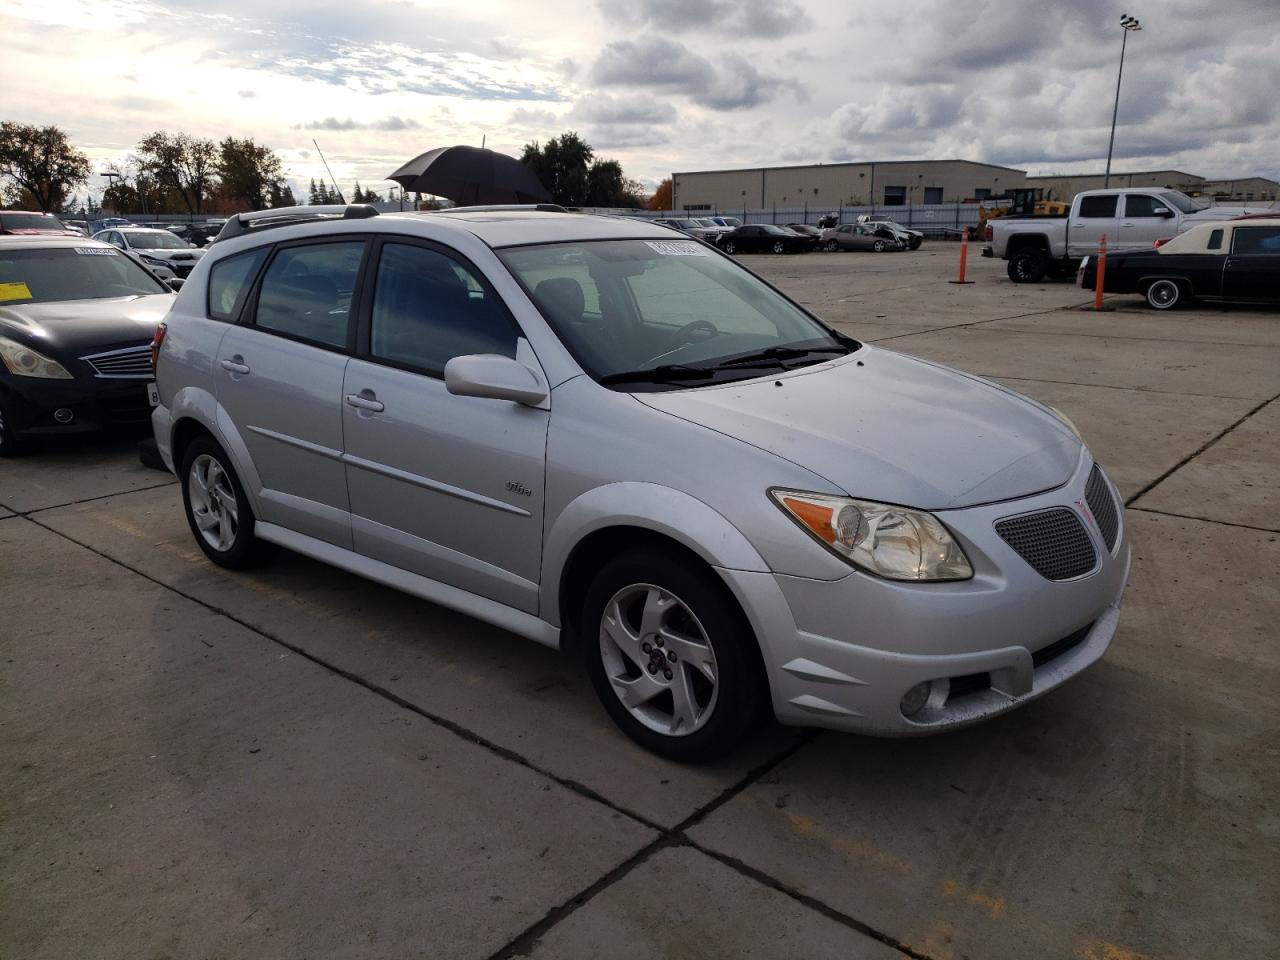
x=1111 y=386
x=1187 y=516
x=1201 y=449
x=103 y=496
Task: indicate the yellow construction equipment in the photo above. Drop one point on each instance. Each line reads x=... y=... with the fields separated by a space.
x=1023 y=202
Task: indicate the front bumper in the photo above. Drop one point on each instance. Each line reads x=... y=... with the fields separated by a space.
x=94 y=404
x=842 y=654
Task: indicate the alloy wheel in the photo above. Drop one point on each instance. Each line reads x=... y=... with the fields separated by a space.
x=213 y=503
x=778 y=246
x=658 y=660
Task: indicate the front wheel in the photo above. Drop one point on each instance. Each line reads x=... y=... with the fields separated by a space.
x=878 y=246
x=832 y=246
x=778 y=246
x=1027 y=266
x=1164 y=294
x=671 y=656
x=217 y=509
x=730 y=247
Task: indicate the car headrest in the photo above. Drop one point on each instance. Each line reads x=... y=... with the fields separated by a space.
x=562 y=296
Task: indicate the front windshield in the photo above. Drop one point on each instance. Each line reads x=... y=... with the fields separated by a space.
x=1182 y=202
x=71 y=273
x=155 y=240
x=622 y=306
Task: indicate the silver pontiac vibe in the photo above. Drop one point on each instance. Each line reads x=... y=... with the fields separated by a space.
x=612 y=439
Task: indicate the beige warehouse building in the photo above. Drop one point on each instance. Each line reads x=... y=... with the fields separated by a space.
x=1066 y=186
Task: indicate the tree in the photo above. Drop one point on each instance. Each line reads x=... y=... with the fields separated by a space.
x=182 y=163
x=40 y=161
x=661 y=199
x=562 y=167
x=251 y=174
x=282 y=195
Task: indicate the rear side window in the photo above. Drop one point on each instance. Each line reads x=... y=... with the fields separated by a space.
x=229 y=283
x=1215 y=240
x=1102 y=206
x=307 y=291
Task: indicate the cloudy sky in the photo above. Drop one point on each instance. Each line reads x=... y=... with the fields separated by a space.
x=660 y=85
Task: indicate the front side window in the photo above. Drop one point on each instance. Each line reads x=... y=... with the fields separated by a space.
x=429 y=308
x=1098 y=206
x=71 y=273
x=229 y=283
x=306 y=292
x=1256 y=240
x=1141 y=205
x=664 y=305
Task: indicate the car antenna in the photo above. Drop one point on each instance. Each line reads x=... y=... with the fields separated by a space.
x=341 y=198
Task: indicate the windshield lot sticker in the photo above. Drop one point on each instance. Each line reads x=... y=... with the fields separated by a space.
x=675 y=248
x=14 y=291
x=97 y=251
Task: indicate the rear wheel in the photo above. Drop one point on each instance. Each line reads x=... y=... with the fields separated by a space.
x=218 y=511
x=1028 y=266
x=832 y=246
x=1164 y=294
x=671 y=656
x=779 y=246
x=878 y=246
x=730 y=247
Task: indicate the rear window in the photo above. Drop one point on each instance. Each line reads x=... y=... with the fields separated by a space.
x=72 y=273
x=229 y=283
x=29 y=221
x=1103 y=206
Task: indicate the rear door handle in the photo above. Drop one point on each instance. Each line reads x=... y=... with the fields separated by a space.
x=365 y=401
x=235 y=365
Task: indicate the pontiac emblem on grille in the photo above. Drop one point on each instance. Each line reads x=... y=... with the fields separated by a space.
x=1084 y=508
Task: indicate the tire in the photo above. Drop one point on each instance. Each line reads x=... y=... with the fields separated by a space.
x=1164 y=294
x=878 y=246
x=915 y=243
x=218 y=512
x=730 y=247
x=11 y=443
x=832 y=246
x=716 y=663
x=779 y=247
x=1028 y=266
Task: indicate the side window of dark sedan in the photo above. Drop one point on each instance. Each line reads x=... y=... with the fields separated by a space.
x=429 y=308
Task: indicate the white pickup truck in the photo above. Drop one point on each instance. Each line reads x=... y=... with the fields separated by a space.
x=1130 y=219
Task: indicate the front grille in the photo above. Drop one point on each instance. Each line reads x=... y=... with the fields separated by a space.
x=1054 y=542
x=131 y=363
x=1097 y=494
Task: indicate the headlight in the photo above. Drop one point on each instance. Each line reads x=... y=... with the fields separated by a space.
x=892 y=542
x=24 y=362
x=158 y=261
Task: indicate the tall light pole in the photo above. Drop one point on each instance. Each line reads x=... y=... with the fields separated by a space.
x=1129 y=25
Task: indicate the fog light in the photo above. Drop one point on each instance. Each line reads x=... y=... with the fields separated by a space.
x=64 y=415
x=913 y=700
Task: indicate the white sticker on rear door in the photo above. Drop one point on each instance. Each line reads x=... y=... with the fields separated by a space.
x=676 y=248
x=97 y=251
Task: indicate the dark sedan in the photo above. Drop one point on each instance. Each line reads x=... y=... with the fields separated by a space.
x=76 y=322
x=763 y=238
x=1233 y=260
x=812 y=234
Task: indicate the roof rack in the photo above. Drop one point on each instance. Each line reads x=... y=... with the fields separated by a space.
x=242 y=223
x=498 y=207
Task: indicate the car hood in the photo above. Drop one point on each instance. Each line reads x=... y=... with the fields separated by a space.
x=84 y=324
x=886 y=427
x=162 y=254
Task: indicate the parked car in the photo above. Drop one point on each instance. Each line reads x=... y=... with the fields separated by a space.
x=763 y=238
x=856 y=236
x=812 y=234
x=25 y=223
x=608 y=438
x=689 y=227
x=106 y=223
x=1236 y=260
x=76 y=322
x=910 y=239
x=1130 y=219
x=158 y=248
x=714 y=231
x=729 y=222
x=197 y=234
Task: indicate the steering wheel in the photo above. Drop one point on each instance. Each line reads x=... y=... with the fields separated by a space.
x=684 y=334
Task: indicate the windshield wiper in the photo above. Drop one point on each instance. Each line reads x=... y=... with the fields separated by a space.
x=665 y=373
x=778 y=353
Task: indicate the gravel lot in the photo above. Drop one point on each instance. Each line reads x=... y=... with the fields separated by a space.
x=296 y=763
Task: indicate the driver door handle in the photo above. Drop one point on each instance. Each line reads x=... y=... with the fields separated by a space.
x=235 y=365
x=365 y=401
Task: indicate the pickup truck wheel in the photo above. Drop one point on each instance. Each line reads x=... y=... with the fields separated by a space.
x=1028 y=266
x=1164 y=294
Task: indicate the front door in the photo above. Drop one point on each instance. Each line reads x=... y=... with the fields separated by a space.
x=1146 y=219
x=279 y=379
x=447 y=487
x=1252 y=270
x=1095 y=216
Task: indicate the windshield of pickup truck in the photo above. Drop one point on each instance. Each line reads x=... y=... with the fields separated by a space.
x=1181 y=202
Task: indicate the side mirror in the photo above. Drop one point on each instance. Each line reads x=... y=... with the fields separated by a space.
x=1163 y=212
x=493 y=377
x=175 y=283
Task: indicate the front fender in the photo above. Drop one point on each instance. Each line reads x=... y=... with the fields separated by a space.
x=649 y=506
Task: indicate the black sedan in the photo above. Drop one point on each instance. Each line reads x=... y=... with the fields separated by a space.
x=763 y=238
x=1237 y=260
x=76 y=322
x=812 y=234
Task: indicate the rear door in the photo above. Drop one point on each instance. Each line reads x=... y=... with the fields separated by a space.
x=1252 y=270
x=1146 y=219
x=1095 y=216
x=279 y=376
x=448 y=487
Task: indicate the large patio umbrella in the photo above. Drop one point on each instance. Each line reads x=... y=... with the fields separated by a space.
x=471 y=175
